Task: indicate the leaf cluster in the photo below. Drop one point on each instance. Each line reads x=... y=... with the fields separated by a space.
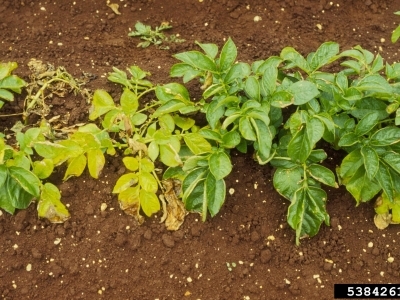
x=355 y=109
x=155 y=37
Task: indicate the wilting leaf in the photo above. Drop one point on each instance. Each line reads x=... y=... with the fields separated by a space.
x=50 y=205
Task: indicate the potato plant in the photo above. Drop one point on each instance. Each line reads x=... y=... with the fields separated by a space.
x=355 y=110
x=285 y=109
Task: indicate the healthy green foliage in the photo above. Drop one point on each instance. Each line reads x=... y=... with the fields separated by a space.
x=356 y=109
x=156 y=36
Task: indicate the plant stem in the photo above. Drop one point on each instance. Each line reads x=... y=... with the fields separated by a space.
x=10 y=115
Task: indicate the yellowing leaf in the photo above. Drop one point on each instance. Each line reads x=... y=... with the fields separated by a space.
x=75 y=166
x=50 y=206
x=96 y=161
x=197 y=143
x=43 y=168
x=131 y=163
x=149 y=202
x=148 y=182
x=124 y=182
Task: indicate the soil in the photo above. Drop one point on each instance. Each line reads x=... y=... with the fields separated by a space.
x=106 y=255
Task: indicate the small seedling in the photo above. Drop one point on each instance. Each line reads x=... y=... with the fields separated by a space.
x=155 y=37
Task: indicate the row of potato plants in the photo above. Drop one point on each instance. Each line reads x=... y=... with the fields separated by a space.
x=281 y=108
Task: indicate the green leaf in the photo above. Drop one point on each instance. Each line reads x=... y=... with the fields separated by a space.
x=197 y=143
x=264 y=141
x=26 y=179
x=213 y=89
x=50 y=205
x=386 y=136
x=169 y=107
x=231 y=139
x=102 y=103
x=43 y=168
x=395 y=35
x=172 y=91
x=12 y=194
x=6 y=95
x=322 y=174
x=129 y=101
x=211 y=135
x=183 y=123
x=377 y=65
x=13 y=83
x=369 y=105
x=361 y=187
x=210 y=49
x=300 y=146
x=149 y=202
x=325 y=54
x=237 y=71
x=180 y=69
x=131 y=163
x=175 y=173
x=374 y=83
x=220 y=165
x=296 y=59
x=270 y=76
x=166 y=122
x=385 y=180
x=76 y=166
x=124 y=182
x=350 y=164
x=252 y=88
x=153 y=150
x=371 y=161
x=214 y=113
x=288 y=180
x=307 y=211
x=393 y=160
x=193 y=189
x=169 y=154
x=246 y=130
x=215 y=193
x=315 y=130
x=366 y=124
x=198 y=60
x=348 y=139
x=228 y=55
x=303 y=91
x=96 y=161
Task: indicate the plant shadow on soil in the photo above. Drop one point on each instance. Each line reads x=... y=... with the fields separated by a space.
x=105 y=255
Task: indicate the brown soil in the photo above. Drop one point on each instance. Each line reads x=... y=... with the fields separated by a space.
x=105 y=255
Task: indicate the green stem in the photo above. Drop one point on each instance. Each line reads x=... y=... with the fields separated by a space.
x=158 y=181
x=10 y=115
x=145 y=92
